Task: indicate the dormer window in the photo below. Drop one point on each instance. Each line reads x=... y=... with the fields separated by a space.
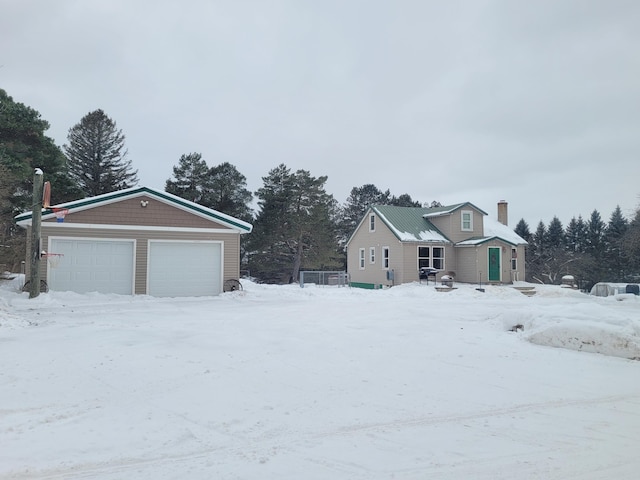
x=372 y=223
x=467 y=221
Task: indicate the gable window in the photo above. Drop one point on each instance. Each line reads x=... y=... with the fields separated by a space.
x=361 y=259
x=467 y=221
x=514 y=259
x=385 y=258
x=431 y=257
x=372 y=255
x=372 y=223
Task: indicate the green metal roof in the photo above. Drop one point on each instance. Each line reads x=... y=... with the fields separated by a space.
x=409 y=223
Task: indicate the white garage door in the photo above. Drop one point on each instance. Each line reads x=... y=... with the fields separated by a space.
x=184 y=269
x=104 y=266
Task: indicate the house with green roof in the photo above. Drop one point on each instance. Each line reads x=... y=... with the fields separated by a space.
x=138 y=241
x=392 y=245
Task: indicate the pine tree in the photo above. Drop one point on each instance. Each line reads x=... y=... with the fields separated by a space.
x=614 y=251
x=595 y=236
x=97 y=156
x=576 y=235
x=536 y=254
x=293 y=228
x=631 y=245
x=190 y=177
x=522 y=229
x=404 y=200
x=555 y=234
x=24 y=147
x=227 y=191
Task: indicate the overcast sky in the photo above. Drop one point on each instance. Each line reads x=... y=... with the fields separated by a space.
x=536 y=103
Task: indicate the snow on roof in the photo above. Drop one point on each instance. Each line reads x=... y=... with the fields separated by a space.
x=423 y=236
x=493 y=228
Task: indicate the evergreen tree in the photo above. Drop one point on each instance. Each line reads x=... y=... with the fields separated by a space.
x=555 y=234
x=404 y=200
x=540 y=238
x=536 y=254
x=595 y=236
x=227 y=192
x=189 y=178
x=614 y=251
x=631 y=245
x=293 y=228
x=522 y=229
x=576 y=235
x=97 y=156
x=24 y=147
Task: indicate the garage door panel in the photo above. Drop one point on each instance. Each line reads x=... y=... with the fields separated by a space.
x=104 y=266
x=184 y=268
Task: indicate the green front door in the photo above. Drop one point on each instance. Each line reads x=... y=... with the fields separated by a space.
x=494 y=264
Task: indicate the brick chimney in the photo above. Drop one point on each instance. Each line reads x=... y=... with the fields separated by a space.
x=503 y=215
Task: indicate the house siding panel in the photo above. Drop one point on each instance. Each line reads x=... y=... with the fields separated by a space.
x=410 y=261
x=130 y=212
x=382 y=237
x=467 y=264
x=450 y=225
x=231 y=247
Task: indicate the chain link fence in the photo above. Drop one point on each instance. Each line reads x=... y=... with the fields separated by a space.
x=324 y=278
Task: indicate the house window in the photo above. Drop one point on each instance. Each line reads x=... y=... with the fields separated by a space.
x=467 y=221
x=372 y=255
x=361 y=259
x=437 y=257
x=385 y=258
x=372 y=223
x=431 y=257
x=514 y=259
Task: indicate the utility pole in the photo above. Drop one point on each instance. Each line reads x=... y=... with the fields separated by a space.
x=36 y=221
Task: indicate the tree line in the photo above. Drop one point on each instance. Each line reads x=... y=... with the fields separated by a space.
x=297 y=225
x=591 y=250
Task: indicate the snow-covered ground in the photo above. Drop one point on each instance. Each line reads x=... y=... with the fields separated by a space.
x=279 y=382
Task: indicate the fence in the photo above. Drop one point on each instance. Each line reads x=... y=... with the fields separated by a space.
x=324 y=278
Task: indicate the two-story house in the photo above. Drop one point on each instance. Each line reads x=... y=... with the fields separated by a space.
x=391 y=245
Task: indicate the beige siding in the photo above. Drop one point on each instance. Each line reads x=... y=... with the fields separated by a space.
x=467 y=265
x=230 y=240
x=130 y=212
x=473 y=262
x=520 y=272
x=374 y=273
x=410 y=264
x=465 y=262
x=451 y=225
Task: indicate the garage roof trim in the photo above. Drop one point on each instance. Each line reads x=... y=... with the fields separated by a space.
x=91 y=202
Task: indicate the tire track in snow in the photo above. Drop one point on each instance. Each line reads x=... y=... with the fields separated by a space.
x=261 y=449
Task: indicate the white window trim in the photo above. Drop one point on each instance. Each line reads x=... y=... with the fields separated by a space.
x=386 y=250
x=372 y=222
x=514 y=259
x=372 y=255
x=470 y=229
x=431 y=257
x=361 y=258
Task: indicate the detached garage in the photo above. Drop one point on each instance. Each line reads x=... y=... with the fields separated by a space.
x=139 y=241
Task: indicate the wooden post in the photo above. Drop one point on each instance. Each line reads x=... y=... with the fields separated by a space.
x=36 y=221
